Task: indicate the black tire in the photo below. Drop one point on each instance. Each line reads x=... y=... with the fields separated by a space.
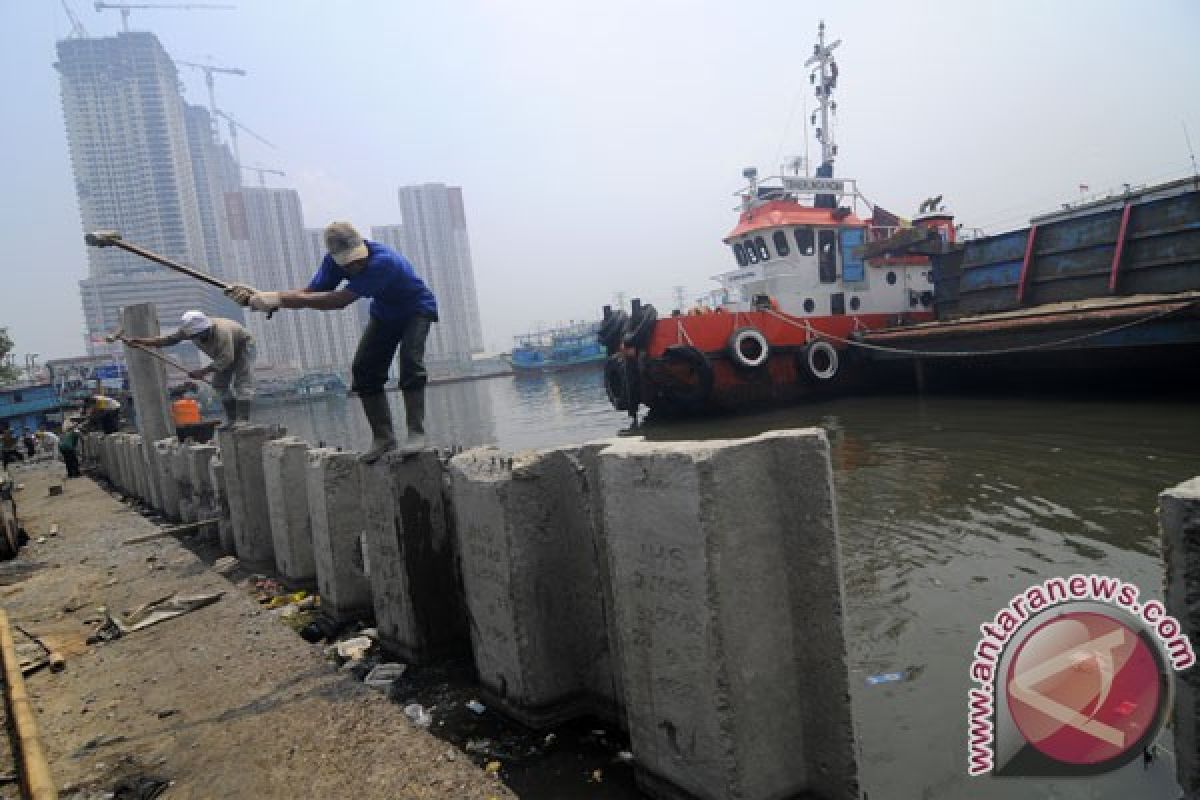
x=616 y=381
x=819 y=361
x=684 y=396
x=612 y=331
x=641 y=327
x=748 y=349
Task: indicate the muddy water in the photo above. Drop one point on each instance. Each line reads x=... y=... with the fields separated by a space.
x=948 y=507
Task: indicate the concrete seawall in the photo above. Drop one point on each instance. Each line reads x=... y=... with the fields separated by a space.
x=1179 y=521
x=687 y=591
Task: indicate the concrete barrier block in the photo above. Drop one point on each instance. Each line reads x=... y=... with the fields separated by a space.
x=285 y=476
x=242 y=456
x=142 y=470
x=198 y=457
x=216 y=471
x=108 y=458
x=181 y=474
x=729 y=610
x=532 y=584
x=1179 y=521
x=118 y=451
x=168 y=488
x=335 y=506
x=415 y=586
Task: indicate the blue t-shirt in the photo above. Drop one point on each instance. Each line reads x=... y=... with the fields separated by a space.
x=396 y=292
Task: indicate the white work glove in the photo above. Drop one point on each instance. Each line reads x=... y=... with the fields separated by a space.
x=265 y=301
x=240 y=293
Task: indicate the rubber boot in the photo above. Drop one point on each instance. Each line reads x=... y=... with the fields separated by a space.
x=230 y=404
x=414 y=417
x=379 y=417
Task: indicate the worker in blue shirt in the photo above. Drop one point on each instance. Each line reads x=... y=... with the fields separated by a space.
x=402 y=309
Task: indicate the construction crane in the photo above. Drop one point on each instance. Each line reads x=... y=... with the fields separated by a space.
x=262 y=172
x=77 y=29
x=233 y=129
x=125 y=8
x=208 y=80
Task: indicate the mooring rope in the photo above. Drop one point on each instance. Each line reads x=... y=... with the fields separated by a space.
x=968 y=353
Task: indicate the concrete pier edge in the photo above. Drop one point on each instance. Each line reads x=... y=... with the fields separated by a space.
x=1179 y=524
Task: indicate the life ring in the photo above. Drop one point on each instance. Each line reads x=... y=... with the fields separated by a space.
x=616 y=385
x=679 y=394
x=641 y=327
x=820 y=360
x=612 y=330
x=748 y=348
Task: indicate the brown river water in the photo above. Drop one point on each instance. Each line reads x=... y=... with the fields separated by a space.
x=948 y=506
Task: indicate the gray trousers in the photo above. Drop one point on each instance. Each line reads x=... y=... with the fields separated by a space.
x=237 y=380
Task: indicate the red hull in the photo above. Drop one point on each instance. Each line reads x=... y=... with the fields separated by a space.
x=688 y=364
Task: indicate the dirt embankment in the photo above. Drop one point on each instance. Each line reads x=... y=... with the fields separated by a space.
x=224 y=702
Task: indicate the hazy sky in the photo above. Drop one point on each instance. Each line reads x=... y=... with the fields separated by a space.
x=599 y=144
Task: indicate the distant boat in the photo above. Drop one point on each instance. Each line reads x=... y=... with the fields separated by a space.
x=556 y=349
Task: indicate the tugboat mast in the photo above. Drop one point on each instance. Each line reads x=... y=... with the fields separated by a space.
x=825 y=78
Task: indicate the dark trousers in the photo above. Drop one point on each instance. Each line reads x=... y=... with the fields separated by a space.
x=377 y=348
x=71 y=459
x=109 y=421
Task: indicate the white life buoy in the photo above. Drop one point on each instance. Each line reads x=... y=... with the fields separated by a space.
x=821 y=359
x=748 y=348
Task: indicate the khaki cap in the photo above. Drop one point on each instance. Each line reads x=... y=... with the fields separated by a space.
x=344 y=243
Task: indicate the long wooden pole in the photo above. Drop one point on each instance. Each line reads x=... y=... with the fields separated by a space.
x=35 y=772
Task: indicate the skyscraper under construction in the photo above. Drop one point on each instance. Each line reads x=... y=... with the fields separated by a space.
x=135 y=171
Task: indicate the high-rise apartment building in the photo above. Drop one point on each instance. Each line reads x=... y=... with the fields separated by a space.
x=337 y=332
x=436 y=242
x=127 y=134
x=270 y=225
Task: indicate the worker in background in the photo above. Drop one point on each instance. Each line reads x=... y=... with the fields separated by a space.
x=102 y=412
x=232 y=350
x=402 y=309
x=48 y=440
x=68 y=448
x=30 y=442
x=9 y=446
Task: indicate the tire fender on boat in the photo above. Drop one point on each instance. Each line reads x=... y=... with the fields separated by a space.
x=748 y=348
x=620 y=382
x=693 y=396
x=641 y=327
x=820 y=360
x=612 y=331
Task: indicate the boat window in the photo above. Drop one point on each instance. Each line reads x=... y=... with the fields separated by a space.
x=809 y=305
x=827 y=257
x=763 y=253
x=891 y=279
x=781 y=243
x=750 y=250
x=740 y=254
x=804 y=241
x=855 y=303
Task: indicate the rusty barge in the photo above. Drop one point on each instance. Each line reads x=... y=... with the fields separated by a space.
x=1107 y=293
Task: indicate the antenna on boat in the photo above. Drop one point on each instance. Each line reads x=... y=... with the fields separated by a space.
x=825 y=78
x=1191 y=152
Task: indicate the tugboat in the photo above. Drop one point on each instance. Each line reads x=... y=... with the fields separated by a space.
x=778 y=328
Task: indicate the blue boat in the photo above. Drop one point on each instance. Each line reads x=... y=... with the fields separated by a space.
x=556 y=349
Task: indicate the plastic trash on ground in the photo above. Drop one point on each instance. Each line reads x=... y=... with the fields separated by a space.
x=384 y=675
x=419 y=716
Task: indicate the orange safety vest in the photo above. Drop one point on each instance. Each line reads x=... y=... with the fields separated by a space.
x=185 y=411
